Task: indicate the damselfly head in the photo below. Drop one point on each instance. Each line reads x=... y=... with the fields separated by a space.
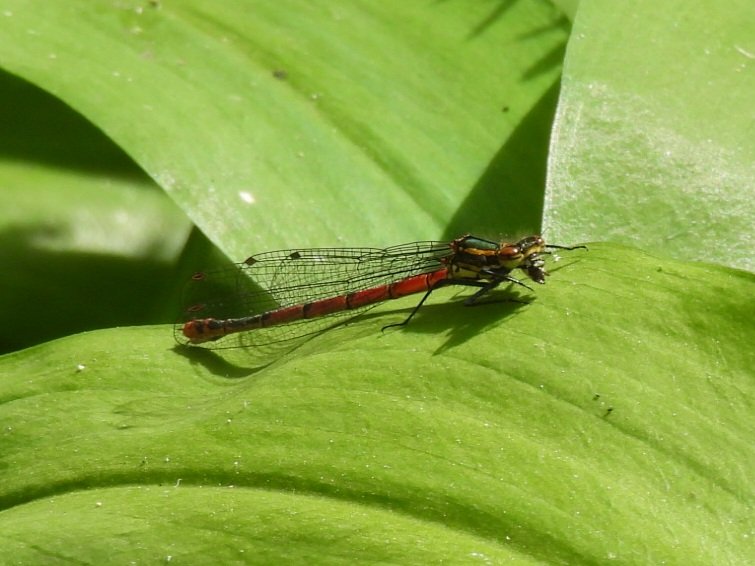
x=530 y=245
x=533 y=262
x=518 y=254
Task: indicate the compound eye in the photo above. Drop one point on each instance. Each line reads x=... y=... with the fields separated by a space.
x=511 y=251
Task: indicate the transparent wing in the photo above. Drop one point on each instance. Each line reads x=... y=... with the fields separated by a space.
x=274 y=280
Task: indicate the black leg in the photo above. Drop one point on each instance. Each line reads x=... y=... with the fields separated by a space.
x=484 y=288
x=414 y=311
x=469 y=301
x=473 y=301
x=438 y=285
x=499 y=277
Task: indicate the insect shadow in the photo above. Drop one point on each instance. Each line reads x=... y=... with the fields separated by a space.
x=216 y=363
x=460 y=322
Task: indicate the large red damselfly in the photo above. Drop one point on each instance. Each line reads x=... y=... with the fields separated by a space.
x=302 y=291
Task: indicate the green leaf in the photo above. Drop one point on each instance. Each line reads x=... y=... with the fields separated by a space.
x=86 y=239
x=548 y=432
x=365 y=124
x=607 y=420
x=292 y=123
x=653 y=142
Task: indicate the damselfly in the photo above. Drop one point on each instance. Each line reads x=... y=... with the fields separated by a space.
x=303 y=291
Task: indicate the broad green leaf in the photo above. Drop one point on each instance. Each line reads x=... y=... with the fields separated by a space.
x=653 y=143
x=302 y=123
x=608 y=419
x=86 y=239
x=230 y=524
